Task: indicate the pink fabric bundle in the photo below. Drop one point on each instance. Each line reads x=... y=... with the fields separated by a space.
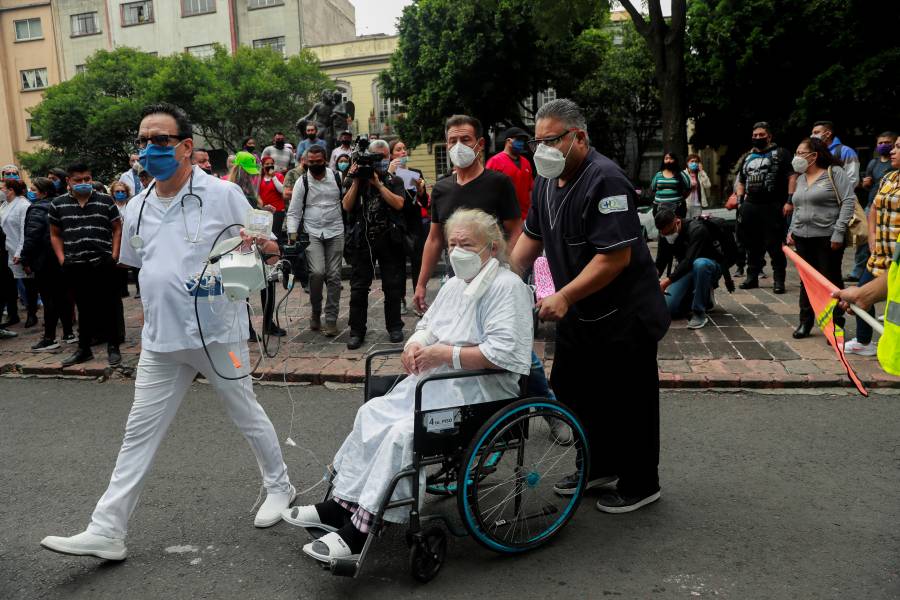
x=543 y=279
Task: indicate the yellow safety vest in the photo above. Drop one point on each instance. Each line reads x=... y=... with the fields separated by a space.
x=889 y=345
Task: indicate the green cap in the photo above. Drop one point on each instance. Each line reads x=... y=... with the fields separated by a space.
x=247 y=162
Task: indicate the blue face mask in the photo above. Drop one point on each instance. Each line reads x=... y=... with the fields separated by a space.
x=83 y=189
x=11 y=176
x=384 y=164
x=159 y=161
x=120 y=195
x=343 y=166
x=518 y=146
x=693 y=166
x=57 y=184
x=32 y=195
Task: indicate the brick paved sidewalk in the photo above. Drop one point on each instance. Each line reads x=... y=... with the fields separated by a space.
x=746 y=344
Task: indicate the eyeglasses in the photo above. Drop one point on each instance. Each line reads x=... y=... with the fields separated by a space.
x=548 y=141
x=157 y=140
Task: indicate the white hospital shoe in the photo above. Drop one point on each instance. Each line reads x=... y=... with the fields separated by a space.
x=327 y=547
x=854 y=347
x=87 y=544
x=270 y=511
x=305 y=516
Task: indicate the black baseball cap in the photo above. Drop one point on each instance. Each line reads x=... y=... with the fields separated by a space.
x=514 y=132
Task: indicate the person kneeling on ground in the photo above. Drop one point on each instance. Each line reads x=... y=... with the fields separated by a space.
x=480 y=319
x=694 y=243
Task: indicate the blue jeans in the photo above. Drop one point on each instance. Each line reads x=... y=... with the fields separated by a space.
x=537 y=379
x=863 y=329
x=704 y=275
x=859 y=261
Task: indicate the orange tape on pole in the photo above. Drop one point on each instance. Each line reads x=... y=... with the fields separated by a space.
x=235 y=360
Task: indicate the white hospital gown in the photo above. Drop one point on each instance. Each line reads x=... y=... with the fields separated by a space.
x=380 y=445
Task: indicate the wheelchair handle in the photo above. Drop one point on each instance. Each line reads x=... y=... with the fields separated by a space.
x=369 y=358
x=451 y=375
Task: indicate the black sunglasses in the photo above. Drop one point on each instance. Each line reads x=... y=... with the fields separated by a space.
x=157 y=140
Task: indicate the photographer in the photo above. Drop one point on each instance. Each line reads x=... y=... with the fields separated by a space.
x=375 y=200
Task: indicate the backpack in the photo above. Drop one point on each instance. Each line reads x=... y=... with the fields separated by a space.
x=723 y=241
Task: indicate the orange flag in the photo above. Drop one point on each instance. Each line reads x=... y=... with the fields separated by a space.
x=819 y=291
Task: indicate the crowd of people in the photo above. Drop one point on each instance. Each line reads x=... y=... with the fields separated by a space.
x=545 y=195
x=813 y=199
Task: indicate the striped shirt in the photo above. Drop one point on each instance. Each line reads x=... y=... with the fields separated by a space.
x=887 y=223
x=670 y=189
x=86 y=231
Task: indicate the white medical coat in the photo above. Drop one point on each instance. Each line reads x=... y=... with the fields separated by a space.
x=380 y=445
x=13 y=224
x=169 y=262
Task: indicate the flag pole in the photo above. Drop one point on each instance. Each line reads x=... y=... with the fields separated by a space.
x=872 y=321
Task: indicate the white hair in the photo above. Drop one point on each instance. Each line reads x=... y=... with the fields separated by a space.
x=482 y=226
x=378 y=146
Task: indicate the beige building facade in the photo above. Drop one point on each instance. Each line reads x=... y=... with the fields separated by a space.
x=28 y=64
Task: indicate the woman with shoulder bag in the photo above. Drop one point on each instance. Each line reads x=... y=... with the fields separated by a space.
x=823 y=206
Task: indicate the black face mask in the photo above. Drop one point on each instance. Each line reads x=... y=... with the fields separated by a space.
x=250 y=149
x=316 y=169
x=759 y=143
x=279 y=144
x=345 y=142
x=207 y=171
x=310 y=136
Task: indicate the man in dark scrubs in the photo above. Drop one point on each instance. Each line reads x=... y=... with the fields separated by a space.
x=609 y=309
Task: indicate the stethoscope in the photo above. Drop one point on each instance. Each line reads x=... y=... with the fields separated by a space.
x=137 y=242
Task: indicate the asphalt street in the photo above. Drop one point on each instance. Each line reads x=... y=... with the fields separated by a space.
x=763 y=496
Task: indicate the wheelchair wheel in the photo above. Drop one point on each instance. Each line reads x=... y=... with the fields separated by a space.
x=426 y=555
x=506 y=498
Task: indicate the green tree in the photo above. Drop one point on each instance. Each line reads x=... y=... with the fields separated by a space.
x=95 y=115
x=791 y=63
x=479 y=57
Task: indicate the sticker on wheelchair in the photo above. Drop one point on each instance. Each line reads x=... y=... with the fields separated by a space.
x=442 y=420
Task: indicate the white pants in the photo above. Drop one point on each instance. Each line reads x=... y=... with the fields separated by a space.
x=161 y=382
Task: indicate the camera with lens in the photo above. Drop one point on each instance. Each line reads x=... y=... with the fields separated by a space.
x=365 y=160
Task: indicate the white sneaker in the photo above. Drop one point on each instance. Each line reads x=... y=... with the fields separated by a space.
x=854 y=347
x=270 y=511
x=560 y=433
x=87 y=544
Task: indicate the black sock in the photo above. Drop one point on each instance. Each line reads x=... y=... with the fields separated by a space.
x=354 y=538
x=333 y=514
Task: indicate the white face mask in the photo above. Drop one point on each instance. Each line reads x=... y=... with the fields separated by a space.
x=466 y=264
x=671 y=237
x=551 y=162
x=461 y=155
x=800 y=164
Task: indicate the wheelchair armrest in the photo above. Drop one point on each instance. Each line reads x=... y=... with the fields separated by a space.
x=451 y=375
x=369 y=357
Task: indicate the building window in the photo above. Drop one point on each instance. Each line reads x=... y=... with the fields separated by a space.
x=34 y=79
x=202 y=51
x=28 y=29
x=30 y=131
x=264 y=3
x=85 y=24
x=275 y=43
x=137 y=13
x=441 y=162
x=386 y=110
x=189 y=8
x=546 y=96
x=79 y=69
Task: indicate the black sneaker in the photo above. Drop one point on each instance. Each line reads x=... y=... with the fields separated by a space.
x=395 y=336
x=614 y=503
x=273 y=329
x=113 y=355
x=81 y=355
x=253 y=337
x=750 y=283
x=69 y=338
x=44 y=345
x=567 y=485
x=356 y=340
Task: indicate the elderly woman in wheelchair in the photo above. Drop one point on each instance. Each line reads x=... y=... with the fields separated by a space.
x=472 y=347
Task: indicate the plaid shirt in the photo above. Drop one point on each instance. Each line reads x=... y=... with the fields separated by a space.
x=362 y=519
x=887 y=223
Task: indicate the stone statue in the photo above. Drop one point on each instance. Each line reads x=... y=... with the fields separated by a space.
x=343 y=114
x=321 y=115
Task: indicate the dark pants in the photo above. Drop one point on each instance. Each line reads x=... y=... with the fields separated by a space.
x=617 y=405
x=99 y=304
x=9 y=296
x=762 y=226
x=267 y=300
x=419 y=235
x=391 y=260
x=31 y=296
x=863 y=329
x=55 y=296
x=818 y=253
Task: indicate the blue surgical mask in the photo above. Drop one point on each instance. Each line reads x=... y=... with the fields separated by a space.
x=83 y=189
x=11 y=176
x=120 y=195
x=518 y=146
x=384 y=164
x=32 y=195
x=343 y=166
x=694 y=166
x=159 y=161
x=57 y=184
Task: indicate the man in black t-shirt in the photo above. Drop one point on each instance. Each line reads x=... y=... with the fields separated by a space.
x=472 y=186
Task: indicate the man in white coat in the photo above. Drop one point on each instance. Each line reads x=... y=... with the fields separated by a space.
x=169 y=232
x=481 y=319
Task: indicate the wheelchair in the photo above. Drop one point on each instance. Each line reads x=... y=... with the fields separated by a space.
x=499 y=459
